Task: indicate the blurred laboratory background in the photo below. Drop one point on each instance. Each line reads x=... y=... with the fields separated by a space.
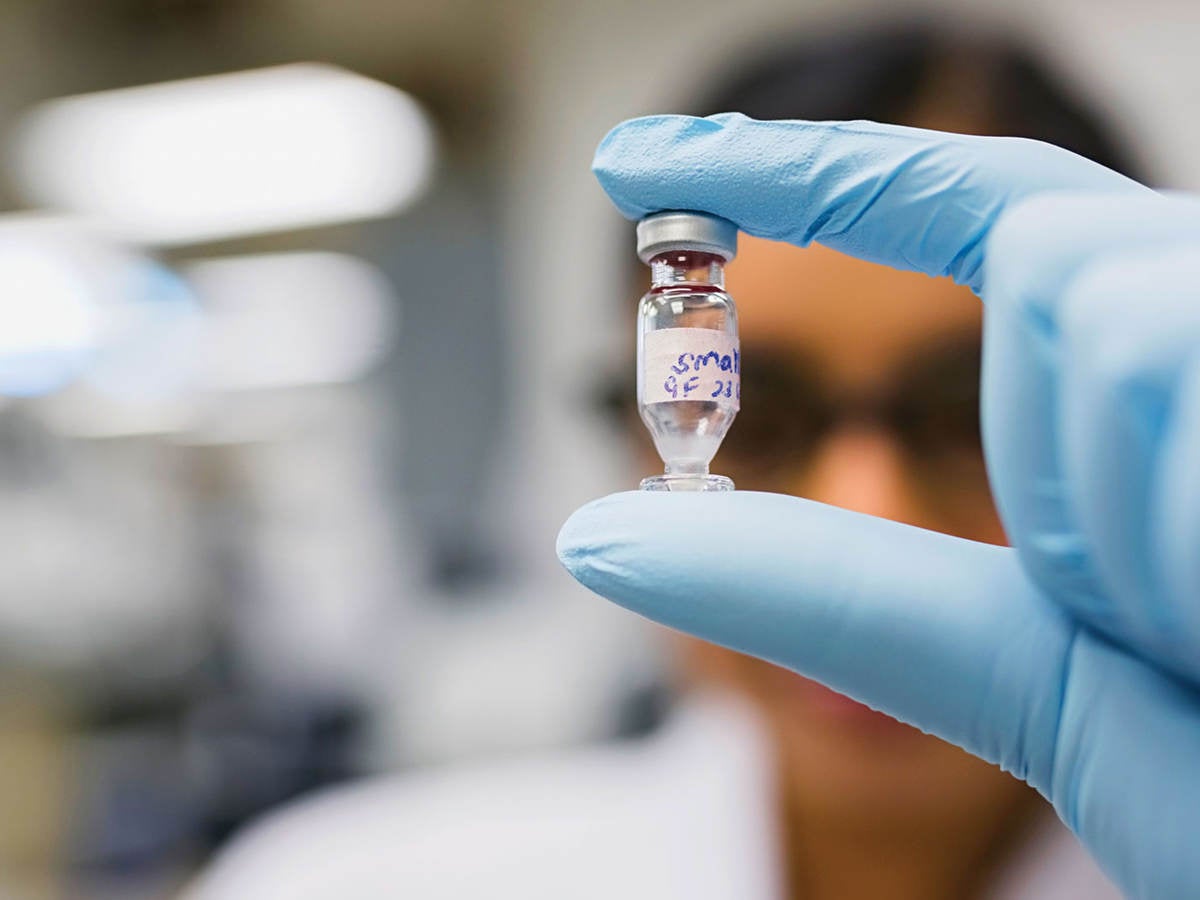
x=303 y=309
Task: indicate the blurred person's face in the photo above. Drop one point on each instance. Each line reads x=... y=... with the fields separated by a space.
x=860 y=389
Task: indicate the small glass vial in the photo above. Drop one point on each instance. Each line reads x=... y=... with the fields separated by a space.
x=689 y=364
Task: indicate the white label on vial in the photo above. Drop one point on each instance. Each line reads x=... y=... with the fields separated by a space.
x=691 y=364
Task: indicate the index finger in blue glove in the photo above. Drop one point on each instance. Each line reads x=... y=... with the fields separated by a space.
x=906 y=197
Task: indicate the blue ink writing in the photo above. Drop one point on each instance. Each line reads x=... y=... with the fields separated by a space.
x=712 y=373
x=680 y=366
x=692 y=362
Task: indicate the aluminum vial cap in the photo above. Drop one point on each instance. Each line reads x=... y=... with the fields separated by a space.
x=684 y=230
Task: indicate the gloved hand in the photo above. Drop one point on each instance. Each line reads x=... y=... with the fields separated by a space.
x=1071 y=660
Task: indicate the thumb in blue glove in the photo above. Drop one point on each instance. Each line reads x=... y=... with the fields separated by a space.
x=1071 y=660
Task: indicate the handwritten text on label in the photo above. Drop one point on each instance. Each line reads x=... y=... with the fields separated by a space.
x=691 y=364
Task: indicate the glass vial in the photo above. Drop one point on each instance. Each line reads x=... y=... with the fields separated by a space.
x=688 y=359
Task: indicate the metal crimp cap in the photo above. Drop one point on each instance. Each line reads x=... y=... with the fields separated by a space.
x=683 y=230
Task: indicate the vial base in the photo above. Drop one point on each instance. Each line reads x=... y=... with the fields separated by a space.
x=681 y=482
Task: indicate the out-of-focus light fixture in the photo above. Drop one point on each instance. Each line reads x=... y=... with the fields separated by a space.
x=281 y=320
x=152 y=342
x=56 y=278
x=228 y=155
x=94 y=327
x=169 y=356
x=47 y=322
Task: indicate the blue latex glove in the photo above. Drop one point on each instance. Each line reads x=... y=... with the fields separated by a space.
x=1071 y=660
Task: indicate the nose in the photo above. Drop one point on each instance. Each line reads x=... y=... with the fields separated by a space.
x=860 y=467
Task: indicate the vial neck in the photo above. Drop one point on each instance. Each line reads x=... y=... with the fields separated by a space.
x=687 y=267
x=694 y=468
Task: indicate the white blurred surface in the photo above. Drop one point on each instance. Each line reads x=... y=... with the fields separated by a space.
x=682 y=815
x=103 y=557
x=325 y=565
x=507 y=673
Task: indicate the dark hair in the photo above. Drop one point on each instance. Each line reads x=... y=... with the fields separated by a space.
x=883 y=73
